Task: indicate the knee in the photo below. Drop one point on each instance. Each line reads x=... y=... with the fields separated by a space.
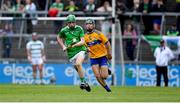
x=34 y=70
x=104 y=76
x=78 y=63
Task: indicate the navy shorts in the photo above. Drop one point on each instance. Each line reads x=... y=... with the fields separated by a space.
x=102 y=61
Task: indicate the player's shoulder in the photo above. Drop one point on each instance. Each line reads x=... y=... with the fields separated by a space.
x=157 y=48
x=166 y=47
x=64 y=29
x=78 y=27
x=29 y=42
x=38 y=41
x=98 y=32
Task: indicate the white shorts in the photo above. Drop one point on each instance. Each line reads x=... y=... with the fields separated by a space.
x=73 y=59
x=37 y=61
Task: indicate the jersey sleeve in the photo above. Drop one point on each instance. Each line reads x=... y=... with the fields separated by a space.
x=42 y=45
x=28 y=45
x=103 y=38
x=155 y=52
x=61 y=33
x=81 y=32
x=171 y=55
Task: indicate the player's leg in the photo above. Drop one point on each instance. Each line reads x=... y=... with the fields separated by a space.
x=104 y=71
x=97 y=73
x=34 y=67
x=40 y=67
x=158 y=71
x=165 y=75
x=104 y=75
x=78 y=66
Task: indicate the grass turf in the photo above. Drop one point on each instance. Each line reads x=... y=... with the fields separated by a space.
x=59 y=93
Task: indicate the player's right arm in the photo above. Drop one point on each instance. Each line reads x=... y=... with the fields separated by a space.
x=61 y=43
x=29 y=57
x=60 y=40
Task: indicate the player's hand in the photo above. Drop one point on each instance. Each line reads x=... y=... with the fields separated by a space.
x=29 y=59
x=64 y=48
x=44 y=58
x=73 y=46
x=109 y=56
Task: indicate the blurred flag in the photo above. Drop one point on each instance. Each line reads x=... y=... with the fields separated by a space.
x=173 y=42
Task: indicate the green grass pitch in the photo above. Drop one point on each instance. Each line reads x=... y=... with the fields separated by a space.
x=62 y=93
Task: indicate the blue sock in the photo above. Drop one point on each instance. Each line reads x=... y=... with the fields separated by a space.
x=107 y=88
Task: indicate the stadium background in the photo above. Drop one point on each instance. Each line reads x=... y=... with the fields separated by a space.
x=138 y=72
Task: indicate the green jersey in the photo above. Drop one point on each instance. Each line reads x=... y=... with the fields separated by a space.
x=72 y=36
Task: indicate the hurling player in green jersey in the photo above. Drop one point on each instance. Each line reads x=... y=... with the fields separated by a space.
x=71 y=39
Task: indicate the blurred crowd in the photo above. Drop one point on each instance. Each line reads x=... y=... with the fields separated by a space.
x=65 y=5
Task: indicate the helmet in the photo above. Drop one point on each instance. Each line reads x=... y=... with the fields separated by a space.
x=90 y=21
x=71 y=18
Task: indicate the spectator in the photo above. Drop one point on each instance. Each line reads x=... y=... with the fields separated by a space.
x=131 y=41
x=30 y=8
x=18 y=7
x=172 y=31
x=105 y=8
x=147 y=21
x=71 y=7
x=80 y=4
x=105 y=25
x=178 y=10
x=136 y=18
x=157 y=6
x=54 y=11
x=7 y=42
x=90 y=6
x=85 y=2
x=41 y=4
x=129 y=4
x=136 y=6
x=162 y=55
x=121 y=8
x=57 y=5
x=178 y=24
x=7 y=6
x=145 y=6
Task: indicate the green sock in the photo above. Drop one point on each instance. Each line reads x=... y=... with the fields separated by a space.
x=82 y=79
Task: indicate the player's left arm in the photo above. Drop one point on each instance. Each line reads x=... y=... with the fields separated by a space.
x=80 y=43
x=43 y=52
x=109 y=50
x=107 y=45
x=82 y=40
